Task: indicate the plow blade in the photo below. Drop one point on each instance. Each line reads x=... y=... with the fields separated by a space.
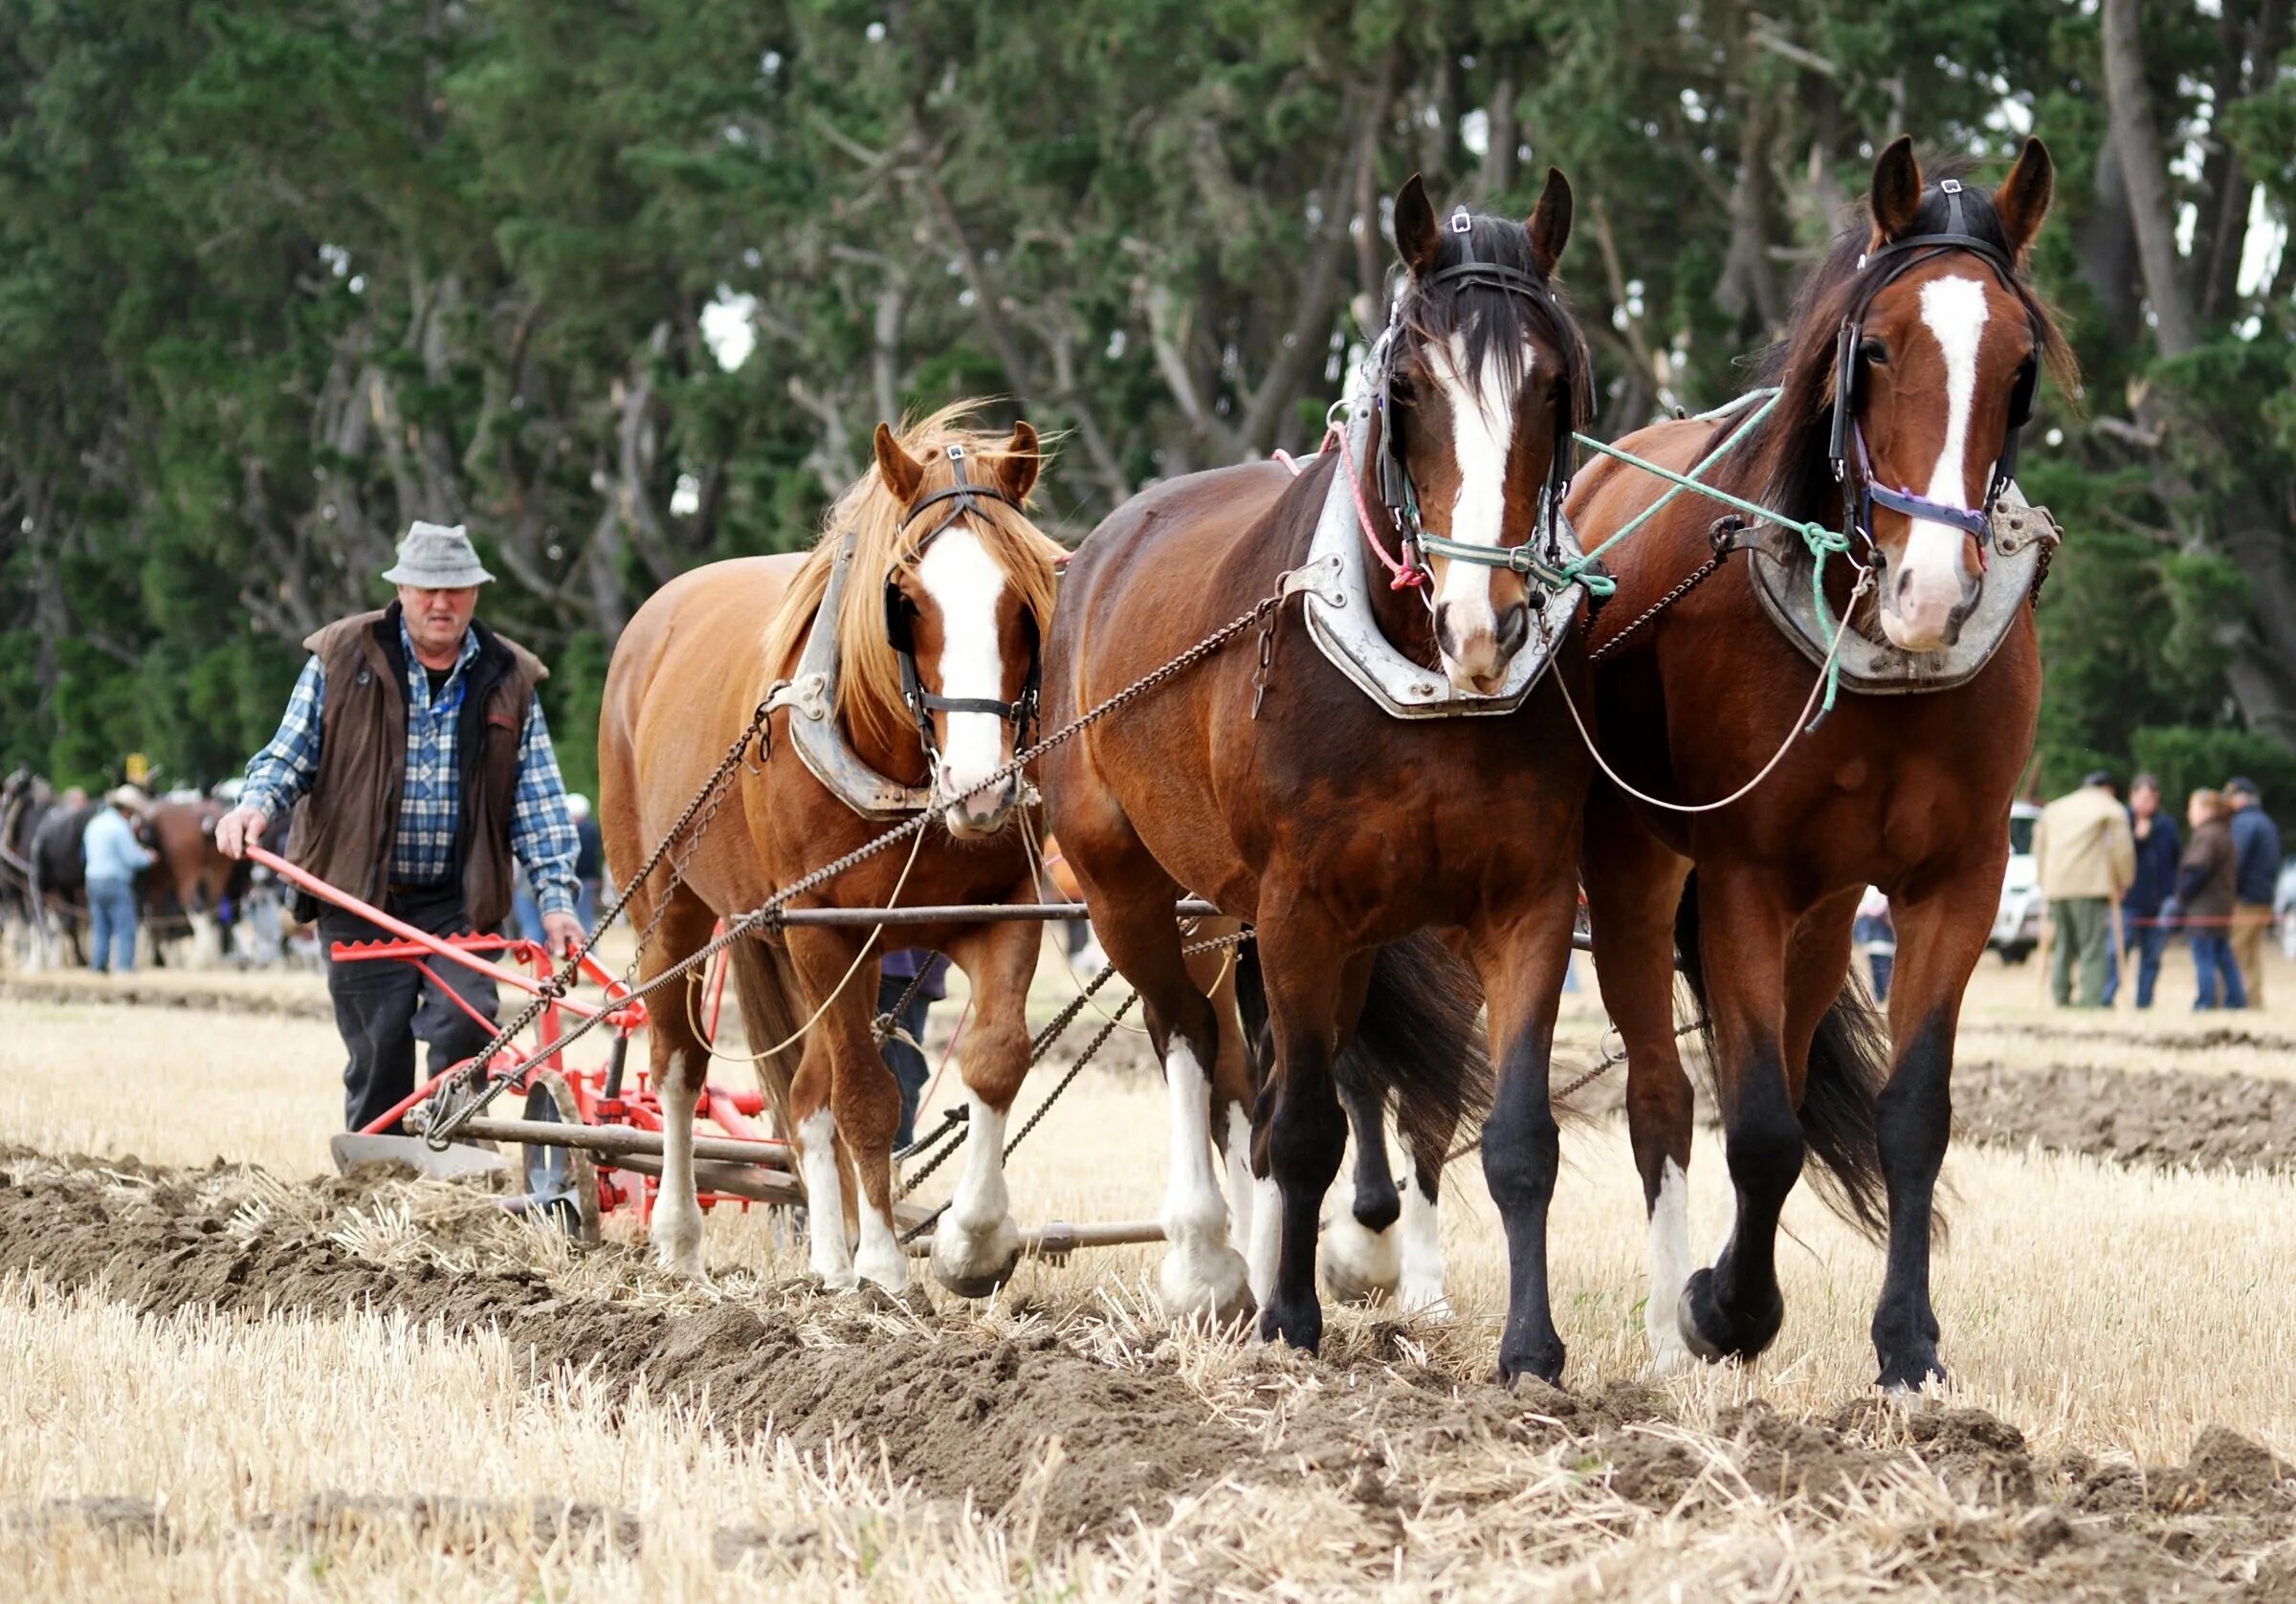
x=457 y=1160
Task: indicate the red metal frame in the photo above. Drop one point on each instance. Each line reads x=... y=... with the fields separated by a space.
x=734 y=1112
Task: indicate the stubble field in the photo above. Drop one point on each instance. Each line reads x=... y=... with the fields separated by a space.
x=232 y=1373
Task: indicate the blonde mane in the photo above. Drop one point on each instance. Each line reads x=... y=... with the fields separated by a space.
x=869 y=676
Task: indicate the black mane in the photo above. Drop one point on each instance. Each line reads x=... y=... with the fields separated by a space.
x=1498 y=320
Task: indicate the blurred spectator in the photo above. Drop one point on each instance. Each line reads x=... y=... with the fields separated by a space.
x=2205 y=887
x=906 y=1062
x=2085 y=858
x=2256 y=868
x=1877 y=938
x=2144 y=933
x=589 y=860
x=113 y=857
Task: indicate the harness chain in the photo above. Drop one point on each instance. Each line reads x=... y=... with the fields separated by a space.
x=440 y=1133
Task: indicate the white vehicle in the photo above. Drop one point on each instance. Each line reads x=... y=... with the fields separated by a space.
x=2017 y=926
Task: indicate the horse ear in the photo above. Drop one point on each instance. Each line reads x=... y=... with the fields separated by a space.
x=2022 y=200
x=1896 y=195
x=902 y=472
x=1016 y=468
x=1550 y=224
x=1415 y=237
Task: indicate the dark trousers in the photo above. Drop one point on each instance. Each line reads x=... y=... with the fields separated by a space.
x=907 y=1064
x=383 y=1004
x=2213 y=967
x=2143 y=947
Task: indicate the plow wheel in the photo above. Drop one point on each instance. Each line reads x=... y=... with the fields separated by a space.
x=561 y=1184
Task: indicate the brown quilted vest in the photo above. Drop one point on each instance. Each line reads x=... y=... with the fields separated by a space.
x=344 y=828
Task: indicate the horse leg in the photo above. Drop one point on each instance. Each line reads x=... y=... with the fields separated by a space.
x=1307 y=1133
x=1522 y=963
x=975 y=1242
x=844 y=1098
x=1361 y=1261
x=1733 y=1309
x=1633 y=887
x=1939 y=941
x=680 y=1065
x=1235 y=1091
x=1422 y=1250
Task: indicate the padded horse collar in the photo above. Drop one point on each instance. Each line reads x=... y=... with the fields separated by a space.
x=962 y=497
x=1394 y=472
x=1853 y=468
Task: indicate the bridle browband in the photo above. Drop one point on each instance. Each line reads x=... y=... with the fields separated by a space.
x=1393 y=471
x=1853 y=467
x=962 y=497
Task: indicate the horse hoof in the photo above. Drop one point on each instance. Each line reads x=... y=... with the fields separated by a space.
x=1544 y=1362
x=1298 y=1326
x=1903 y=1376
x=974 y=1265
x=1713 y=1336
x=1360 y=1266
x=1214 y=1288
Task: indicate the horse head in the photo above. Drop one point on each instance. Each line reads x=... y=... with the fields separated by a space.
x=1938 y=353
x=1483 y=379
x=966 y=602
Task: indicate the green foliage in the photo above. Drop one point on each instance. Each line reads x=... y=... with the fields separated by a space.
x=278 y=276
x=2186 y=759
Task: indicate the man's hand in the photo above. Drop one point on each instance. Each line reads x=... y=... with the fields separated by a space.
x=239 y=829
x=562 y=933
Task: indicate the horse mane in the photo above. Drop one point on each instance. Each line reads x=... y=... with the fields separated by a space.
x=1790 y=458
x=869 y=676
x=1498 y=320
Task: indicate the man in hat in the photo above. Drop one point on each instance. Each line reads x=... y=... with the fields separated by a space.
x=416 y=759
x=114 y=858
x=2085 y=857
x=2256 y=874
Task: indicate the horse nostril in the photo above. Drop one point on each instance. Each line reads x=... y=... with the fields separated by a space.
x=1514 y=627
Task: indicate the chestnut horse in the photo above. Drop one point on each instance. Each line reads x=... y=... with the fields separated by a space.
x=1908 y=792
x=1330 y=825
x=189 y=878
x=949 y=591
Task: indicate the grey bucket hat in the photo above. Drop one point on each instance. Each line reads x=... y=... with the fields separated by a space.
x=434 y=556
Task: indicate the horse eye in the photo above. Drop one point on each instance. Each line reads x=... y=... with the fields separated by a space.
x=1875 y=353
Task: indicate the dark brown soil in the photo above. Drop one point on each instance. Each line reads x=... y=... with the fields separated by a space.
x=963 y=1414
x=129 y=991
x=2238 y=1122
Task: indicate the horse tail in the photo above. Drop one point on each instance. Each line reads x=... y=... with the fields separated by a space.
x=1849 y=1063
x=1420 y=1037
x=767 y=987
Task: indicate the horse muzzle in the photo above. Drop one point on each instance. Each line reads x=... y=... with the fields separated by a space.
x=1476 y=658
x=979 y=814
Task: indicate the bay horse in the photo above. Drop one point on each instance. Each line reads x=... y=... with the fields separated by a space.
x=938 y=657
x=59 y=878
x=190 y=878
x=1909 y=362
x=1347 y=836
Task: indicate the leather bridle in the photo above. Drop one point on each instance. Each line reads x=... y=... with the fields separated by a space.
x=961 y=497
x=1853 y=467
x=1394 y=471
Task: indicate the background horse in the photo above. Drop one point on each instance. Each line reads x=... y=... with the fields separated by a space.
x=190 y=880
x=60 y=883
x=24 y=799
x=1334 y=828
x=963 y=580
x=1910 y=793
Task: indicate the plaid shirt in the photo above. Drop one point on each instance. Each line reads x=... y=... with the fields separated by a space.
x=542 y=831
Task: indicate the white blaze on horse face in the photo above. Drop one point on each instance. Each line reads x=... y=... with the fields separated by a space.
x=1481 y=435
x=965 y=584
x=1930 y=583
x=1670 y=1270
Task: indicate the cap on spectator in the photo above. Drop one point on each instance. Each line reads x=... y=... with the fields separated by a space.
x=131 y=798
x=2243 y=786
x=578 y=804
x=2097 y=777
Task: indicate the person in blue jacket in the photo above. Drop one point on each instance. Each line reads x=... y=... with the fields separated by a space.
x=2256 y=873
x=2159 y=850
x=113 y=857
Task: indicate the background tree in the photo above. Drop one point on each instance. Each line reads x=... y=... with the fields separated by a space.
x=626 y=285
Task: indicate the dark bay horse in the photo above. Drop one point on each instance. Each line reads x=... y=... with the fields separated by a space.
x=1333 y=827
x=1908 y=792
x=948 y=592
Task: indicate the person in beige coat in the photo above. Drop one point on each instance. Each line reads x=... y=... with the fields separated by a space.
x=2085 y=856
